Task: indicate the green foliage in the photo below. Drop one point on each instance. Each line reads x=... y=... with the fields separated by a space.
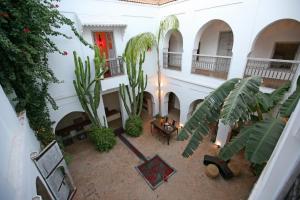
x=206 y=112
x=170 y=22
x=267 y=101
x=132 y=94
x=238 y=104
x=83 y=84
x=25 y=27
x=134 y=126
x=259 y=140
x=103 y=138
x=289 y=105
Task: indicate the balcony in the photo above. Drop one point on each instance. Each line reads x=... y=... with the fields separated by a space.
x=172 y=60
x=274 y=72
x=211 y=65
x=114 y=66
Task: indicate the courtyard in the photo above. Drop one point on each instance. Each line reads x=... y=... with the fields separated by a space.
x=113 y=175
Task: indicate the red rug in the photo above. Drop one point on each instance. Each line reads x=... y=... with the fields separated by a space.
x=155 y=171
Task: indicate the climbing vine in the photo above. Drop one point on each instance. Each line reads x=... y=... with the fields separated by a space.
x=25 y=28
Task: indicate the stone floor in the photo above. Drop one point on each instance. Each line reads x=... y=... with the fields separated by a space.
x=113 y=175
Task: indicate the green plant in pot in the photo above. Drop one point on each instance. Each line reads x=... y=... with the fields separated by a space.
x=132 y=94
x=238 y=102
x=88 y=90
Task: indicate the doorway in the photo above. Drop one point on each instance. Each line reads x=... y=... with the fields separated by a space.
x=112 y=107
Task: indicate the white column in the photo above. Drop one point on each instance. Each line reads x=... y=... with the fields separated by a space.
x=222 y=134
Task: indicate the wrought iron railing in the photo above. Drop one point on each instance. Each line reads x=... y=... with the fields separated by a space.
x=211 y=65
x=115 y=67
x=274 y=72
x=172 y=60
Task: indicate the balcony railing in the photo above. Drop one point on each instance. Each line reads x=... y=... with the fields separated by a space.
x=274 y=72
x=211 y=65
x=115 y=67
x=172 y=60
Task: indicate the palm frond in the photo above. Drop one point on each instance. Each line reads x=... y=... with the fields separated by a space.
x=170 y=22
x=238 y=103
x=263 y=137
x=289 y=105
x=139 y=44
x=206 y=112
x=237 y=144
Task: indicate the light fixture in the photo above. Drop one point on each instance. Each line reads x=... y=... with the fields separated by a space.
x=218 y=143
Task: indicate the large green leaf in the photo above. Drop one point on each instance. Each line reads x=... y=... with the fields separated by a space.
x=289 y=105
x=278 y=94
x=264 y=101
x=238 y=103
x=236 y=144
x=206 y=112
x=268 y=101
x=263 y=137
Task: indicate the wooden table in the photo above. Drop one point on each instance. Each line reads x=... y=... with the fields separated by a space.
x=167 y=132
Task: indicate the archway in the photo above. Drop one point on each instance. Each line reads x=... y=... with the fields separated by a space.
x=275 y=53
x=148 y=105
x=193 y=107
x=172 y=105
x=173 y=48
x=213 y=49
x=72 y=127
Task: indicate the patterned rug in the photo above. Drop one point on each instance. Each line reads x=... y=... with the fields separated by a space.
x=155 y=171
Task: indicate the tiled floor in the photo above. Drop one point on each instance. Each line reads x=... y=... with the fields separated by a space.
x=112 y=175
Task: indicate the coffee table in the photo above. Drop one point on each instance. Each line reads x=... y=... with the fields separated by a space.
x=166 y=130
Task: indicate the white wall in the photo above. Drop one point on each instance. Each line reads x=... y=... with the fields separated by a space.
x=17 y=171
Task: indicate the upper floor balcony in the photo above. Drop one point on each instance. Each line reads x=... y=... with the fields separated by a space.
x=274 y=72
x=212 y=50
x=114 y=67
x=172 y=60
x=211 y=65
x=173 y=48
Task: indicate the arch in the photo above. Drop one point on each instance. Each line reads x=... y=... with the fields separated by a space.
x=173 y=41
x=149 y=103
x=210 y=32
x=193 y=107
x=281 y=30
x=73 y=124
x=172 y=106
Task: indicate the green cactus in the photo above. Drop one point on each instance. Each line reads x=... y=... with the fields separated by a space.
x=137 y=85
x=89 y=98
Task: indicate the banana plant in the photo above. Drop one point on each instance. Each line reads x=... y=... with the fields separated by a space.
x=234 y=103
x=88 y=89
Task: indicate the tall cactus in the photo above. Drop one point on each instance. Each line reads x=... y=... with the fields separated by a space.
x=137 y=85
x=89 y=98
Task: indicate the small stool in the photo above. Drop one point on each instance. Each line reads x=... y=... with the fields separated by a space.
x=212 y=171
x=236 y=170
